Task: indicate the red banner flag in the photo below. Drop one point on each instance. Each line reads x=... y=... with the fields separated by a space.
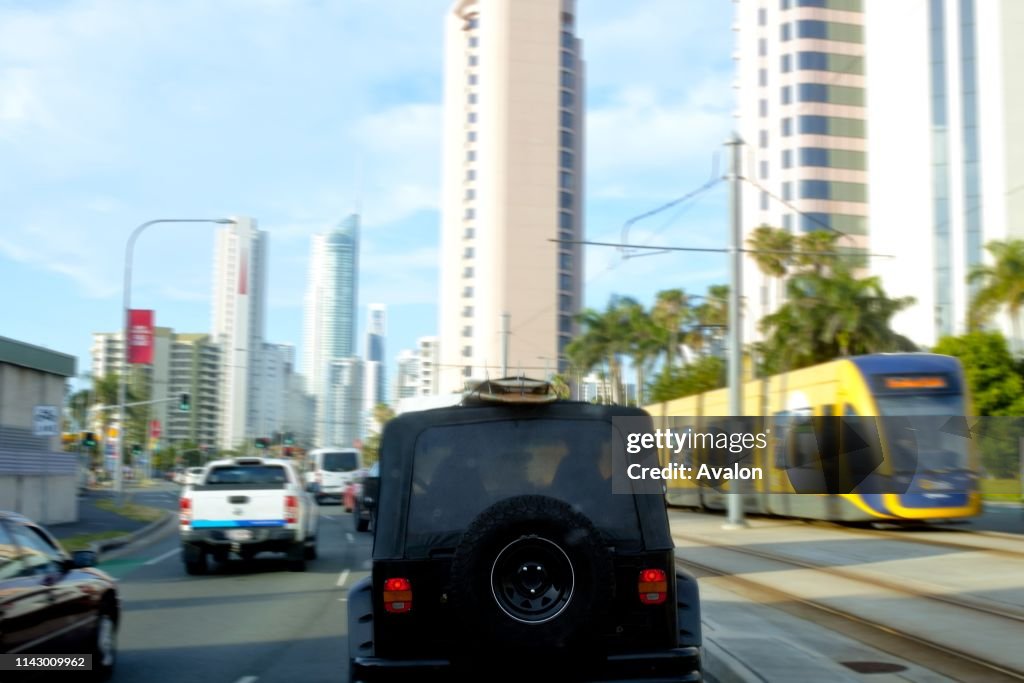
x=140 y=336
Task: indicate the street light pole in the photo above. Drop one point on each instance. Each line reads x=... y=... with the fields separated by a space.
x=122 y=385
x=735 y=497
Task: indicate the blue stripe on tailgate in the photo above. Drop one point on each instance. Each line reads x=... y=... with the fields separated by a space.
x=221 y=523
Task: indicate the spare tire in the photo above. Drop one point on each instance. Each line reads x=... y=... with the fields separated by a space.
x=530 y=571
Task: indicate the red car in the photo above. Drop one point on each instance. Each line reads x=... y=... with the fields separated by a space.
x=352 y=491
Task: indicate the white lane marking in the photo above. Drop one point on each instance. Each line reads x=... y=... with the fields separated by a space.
x=342 y=599
x=247 y=679
x=162 y=557
x=350 y=537
x=343 y=578
x=328 y=517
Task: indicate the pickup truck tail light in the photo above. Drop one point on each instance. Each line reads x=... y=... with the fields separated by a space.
x=291 y=510
x=397 y=595
x=652 y=586
x=185 y=508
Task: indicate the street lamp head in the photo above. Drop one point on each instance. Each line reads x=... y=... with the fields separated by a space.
x=225 y=221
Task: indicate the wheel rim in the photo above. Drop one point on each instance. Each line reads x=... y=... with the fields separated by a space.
x=532 y=580
x=106 y=640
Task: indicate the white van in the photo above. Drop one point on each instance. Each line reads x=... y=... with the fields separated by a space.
x=330 y=470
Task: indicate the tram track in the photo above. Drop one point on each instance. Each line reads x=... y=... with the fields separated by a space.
x=936 y=651
x=909 y=535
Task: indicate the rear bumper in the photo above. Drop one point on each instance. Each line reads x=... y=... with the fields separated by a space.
x=680 y=665
x=275 y=537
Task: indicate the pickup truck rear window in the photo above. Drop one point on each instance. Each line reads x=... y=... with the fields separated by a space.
x=460 y=470
x=233 y=475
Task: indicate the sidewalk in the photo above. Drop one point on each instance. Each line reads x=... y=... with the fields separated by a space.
x=92 y=519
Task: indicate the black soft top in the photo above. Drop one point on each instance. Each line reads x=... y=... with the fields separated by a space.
x=398 y=447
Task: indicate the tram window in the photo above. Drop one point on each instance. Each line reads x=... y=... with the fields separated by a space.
x=805 y=446
x=781 y=440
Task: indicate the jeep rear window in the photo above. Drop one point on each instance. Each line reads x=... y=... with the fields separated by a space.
x=460 y=470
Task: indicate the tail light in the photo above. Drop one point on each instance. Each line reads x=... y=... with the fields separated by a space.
x=652 y=586
x=397 y=595
x=291 y=510
x=185 y=509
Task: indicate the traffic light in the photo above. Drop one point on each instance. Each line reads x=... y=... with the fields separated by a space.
x=185 y=404
x=89 y=440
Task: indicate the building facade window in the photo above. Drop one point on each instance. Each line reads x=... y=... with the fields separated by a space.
x=565 y=220
x=565 y=180
x=470 y=213
x=762 y=16
x=568 y=40
x=566 y=117
x=470 y=194
x=474 y=41
x=762 y=47
x=787 y=63
x=471 y=136
x=787 y=191
x=565 y=282
x=787 y=94
x=831 y=125
x=568 y=80
x=469 y=233
x=565 y=261
x=467 y=331
x=471 y=117
x=565 y=200
x=467 y=252
x=564 y=323
x=567 y=99
x=762 y=139
x=472 y=79
x=470 y=174
x=567 y=60
x=786 y=31
x=762 y=77
x=829 y=30
x=762 y=108
x=467 y=271
x=764 y=200
x=566 y=159
x=467 y=351
x=564 y=303
x=467 y=292
x=471 y=155
x=566 y=139
x=787 y=158
x=467 y=312
x=787 y=127
x=763 y=170
x=473 y=60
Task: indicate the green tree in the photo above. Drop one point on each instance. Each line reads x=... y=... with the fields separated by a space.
x=1000 y=285
x=604 y=339
x=995 y=379
x=996 y=384
x=829 y=315
x=671 y=310
x=561 y=386
x=704 y=374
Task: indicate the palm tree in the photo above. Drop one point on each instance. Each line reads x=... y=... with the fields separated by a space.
x=1000 y=284
x=671 y=310
x=560 y=385
x=771 y=248
x=712 y=314
x=830 y=316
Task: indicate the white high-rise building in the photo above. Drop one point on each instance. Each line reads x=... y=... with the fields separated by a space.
x=239 y=304
x=893 y=123
x=343 y=406
x=512 y=181
x=330 y=309
x=275 y=367
x=428 y=373
x=407 y=377
x=182 y=364
x=376 y=338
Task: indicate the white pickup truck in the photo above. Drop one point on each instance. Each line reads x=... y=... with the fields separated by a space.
x=245 y=506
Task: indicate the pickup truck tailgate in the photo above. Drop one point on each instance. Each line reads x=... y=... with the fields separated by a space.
x=234 y=508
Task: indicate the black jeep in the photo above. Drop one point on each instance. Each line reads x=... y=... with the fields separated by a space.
x=500 y=551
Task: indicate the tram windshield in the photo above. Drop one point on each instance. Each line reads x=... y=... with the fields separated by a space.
x=919 y=434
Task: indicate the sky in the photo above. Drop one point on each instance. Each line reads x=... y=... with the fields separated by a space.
x=114 y=113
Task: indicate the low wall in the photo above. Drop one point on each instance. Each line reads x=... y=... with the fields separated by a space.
x=47 y=499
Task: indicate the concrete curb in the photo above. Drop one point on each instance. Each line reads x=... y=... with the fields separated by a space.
x=111 y=544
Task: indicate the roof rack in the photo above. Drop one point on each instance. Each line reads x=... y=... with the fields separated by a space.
x=512 y=390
